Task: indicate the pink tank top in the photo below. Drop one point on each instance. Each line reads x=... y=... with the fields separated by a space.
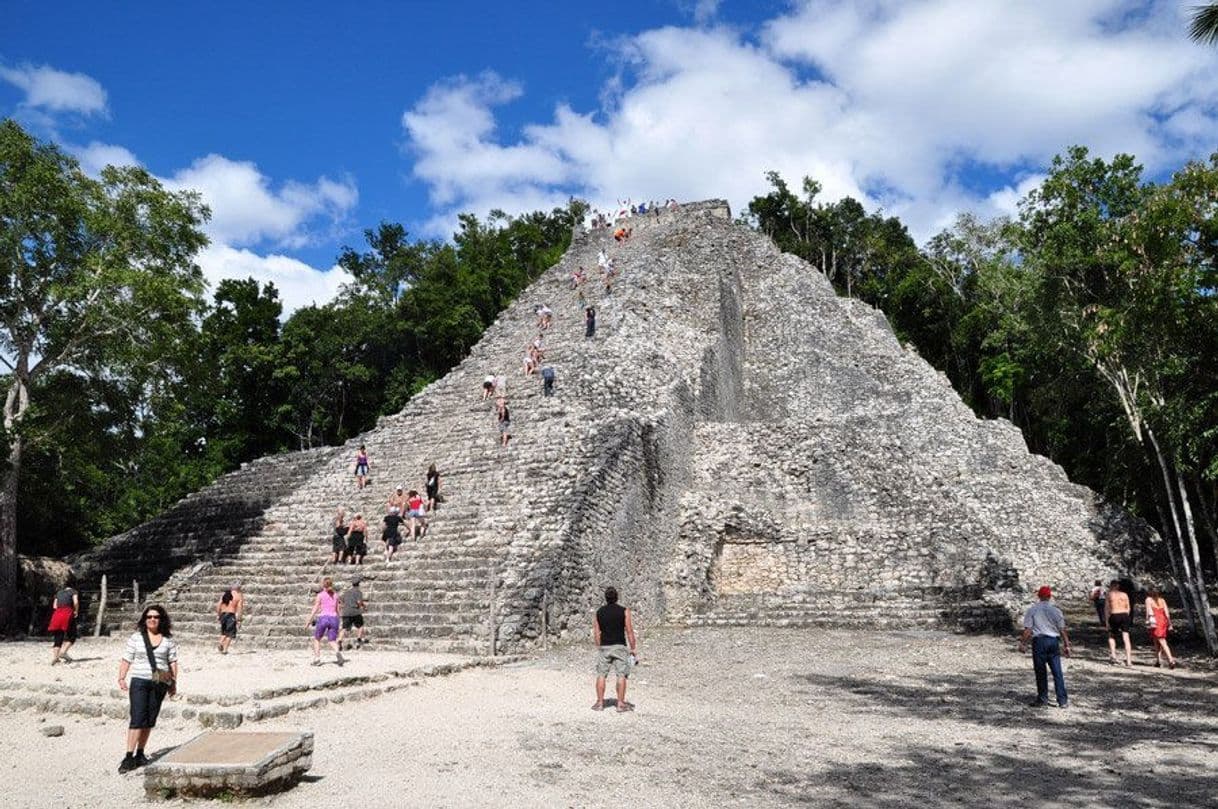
x=329 y=603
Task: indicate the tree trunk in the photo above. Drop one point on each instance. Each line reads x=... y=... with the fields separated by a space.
x=8 y=536
x=1207 y=617
x=1194 y=578
x=1207 y=519
x=1177 y=572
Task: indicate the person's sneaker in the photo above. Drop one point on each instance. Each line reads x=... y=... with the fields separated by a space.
x=127 y=764
x=56 y=661
x=140 y=758
x=1038 y=704
x=66 y=659
x=1063 y=704
x=316 y=662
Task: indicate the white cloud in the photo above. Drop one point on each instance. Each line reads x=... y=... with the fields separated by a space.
x=902 y=104
x=247 y=210
x=56 y=91
x=96 y=156
x=298 y=283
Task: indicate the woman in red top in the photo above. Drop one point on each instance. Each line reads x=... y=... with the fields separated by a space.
x=417 y=509
x=1158 y=621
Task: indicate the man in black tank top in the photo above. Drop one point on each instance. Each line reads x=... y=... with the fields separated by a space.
x=613 y=633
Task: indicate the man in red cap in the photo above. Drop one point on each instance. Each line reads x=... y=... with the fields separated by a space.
x=1045 y=625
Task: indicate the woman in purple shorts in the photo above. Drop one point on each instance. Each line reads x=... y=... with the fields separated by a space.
x=325 y=614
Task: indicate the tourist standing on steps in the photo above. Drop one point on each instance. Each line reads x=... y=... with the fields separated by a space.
x=397 y=502
x=613 y=634
x=547 y=380
x=228 y=610
x=392 y=535
x=432 y=485
x=352 y=608
x=65 y=609
x=357 y=540
x=324 y=620
x=338 y=543
x=504 y=419
x=1158 y=621
x=151 y=658
x=1045 y=626
x=1097 y=600
x=589 y=322
x=417 y=511
x=361 y=467
x=1119 y=621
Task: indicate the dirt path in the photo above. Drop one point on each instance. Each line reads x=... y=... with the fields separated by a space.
x=726 y=717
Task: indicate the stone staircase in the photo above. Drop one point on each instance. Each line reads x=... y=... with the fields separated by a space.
x=736 y=445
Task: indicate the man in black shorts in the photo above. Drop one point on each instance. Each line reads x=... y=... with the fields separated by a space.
x=351 y=610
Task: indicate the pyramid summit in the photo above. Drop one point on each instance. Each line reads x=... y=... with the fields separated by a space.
x=735 y=444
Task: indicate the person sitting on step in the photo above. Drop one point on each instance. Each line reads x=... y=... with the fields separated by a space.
x=544 y=316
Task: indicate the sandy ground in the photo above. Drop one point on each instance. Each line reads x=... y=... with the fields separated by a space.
x=741 y=717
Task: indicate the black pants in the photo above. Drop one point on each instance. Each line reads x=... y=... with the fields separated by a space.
x=59 y=636
x=146 y=698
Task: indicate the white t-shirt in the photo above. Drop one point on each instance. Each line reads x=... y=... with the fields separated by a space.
x=165 y=652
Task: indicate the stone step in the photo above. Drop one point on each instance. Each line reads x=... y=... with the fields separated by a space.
x=231 y=711
x=397 y=632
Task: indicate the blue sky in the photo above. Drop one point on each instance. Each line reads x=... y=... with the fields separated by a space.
x=303 y=123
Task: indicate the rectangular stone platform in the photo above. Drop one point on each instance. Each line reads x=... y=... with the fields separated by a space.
x=231 y=763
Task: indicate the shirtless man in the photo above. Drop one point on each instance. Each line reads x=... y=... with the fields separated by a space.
x=397 y=501
x=228 y=610
x=1119 y=621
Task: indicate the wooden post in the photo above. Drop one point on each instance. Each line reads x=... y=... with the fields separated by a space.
x=545 y=622
x=101 y=608
x=491 y=618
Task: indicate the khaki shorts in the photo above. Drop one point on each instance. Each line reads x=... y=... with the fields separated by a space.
x=617 y=657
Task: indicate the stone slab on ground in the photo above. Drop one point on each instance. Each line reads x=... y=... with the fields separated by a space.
x=227 y=763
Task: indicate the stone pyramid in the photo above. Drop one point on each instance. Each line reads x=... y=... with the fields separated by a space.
x=736 y=445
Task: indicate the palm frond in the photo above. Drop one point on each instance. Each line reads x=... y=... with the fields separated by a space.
x=1205 y=24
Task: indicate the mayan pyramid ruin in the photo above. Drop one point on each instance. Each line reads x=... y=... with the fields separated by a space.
x=736 y=445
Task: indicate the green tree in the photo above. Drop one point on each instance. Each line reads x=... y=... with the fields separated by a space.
x=240 y=355
x=97 y=279
x=1125 y=277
